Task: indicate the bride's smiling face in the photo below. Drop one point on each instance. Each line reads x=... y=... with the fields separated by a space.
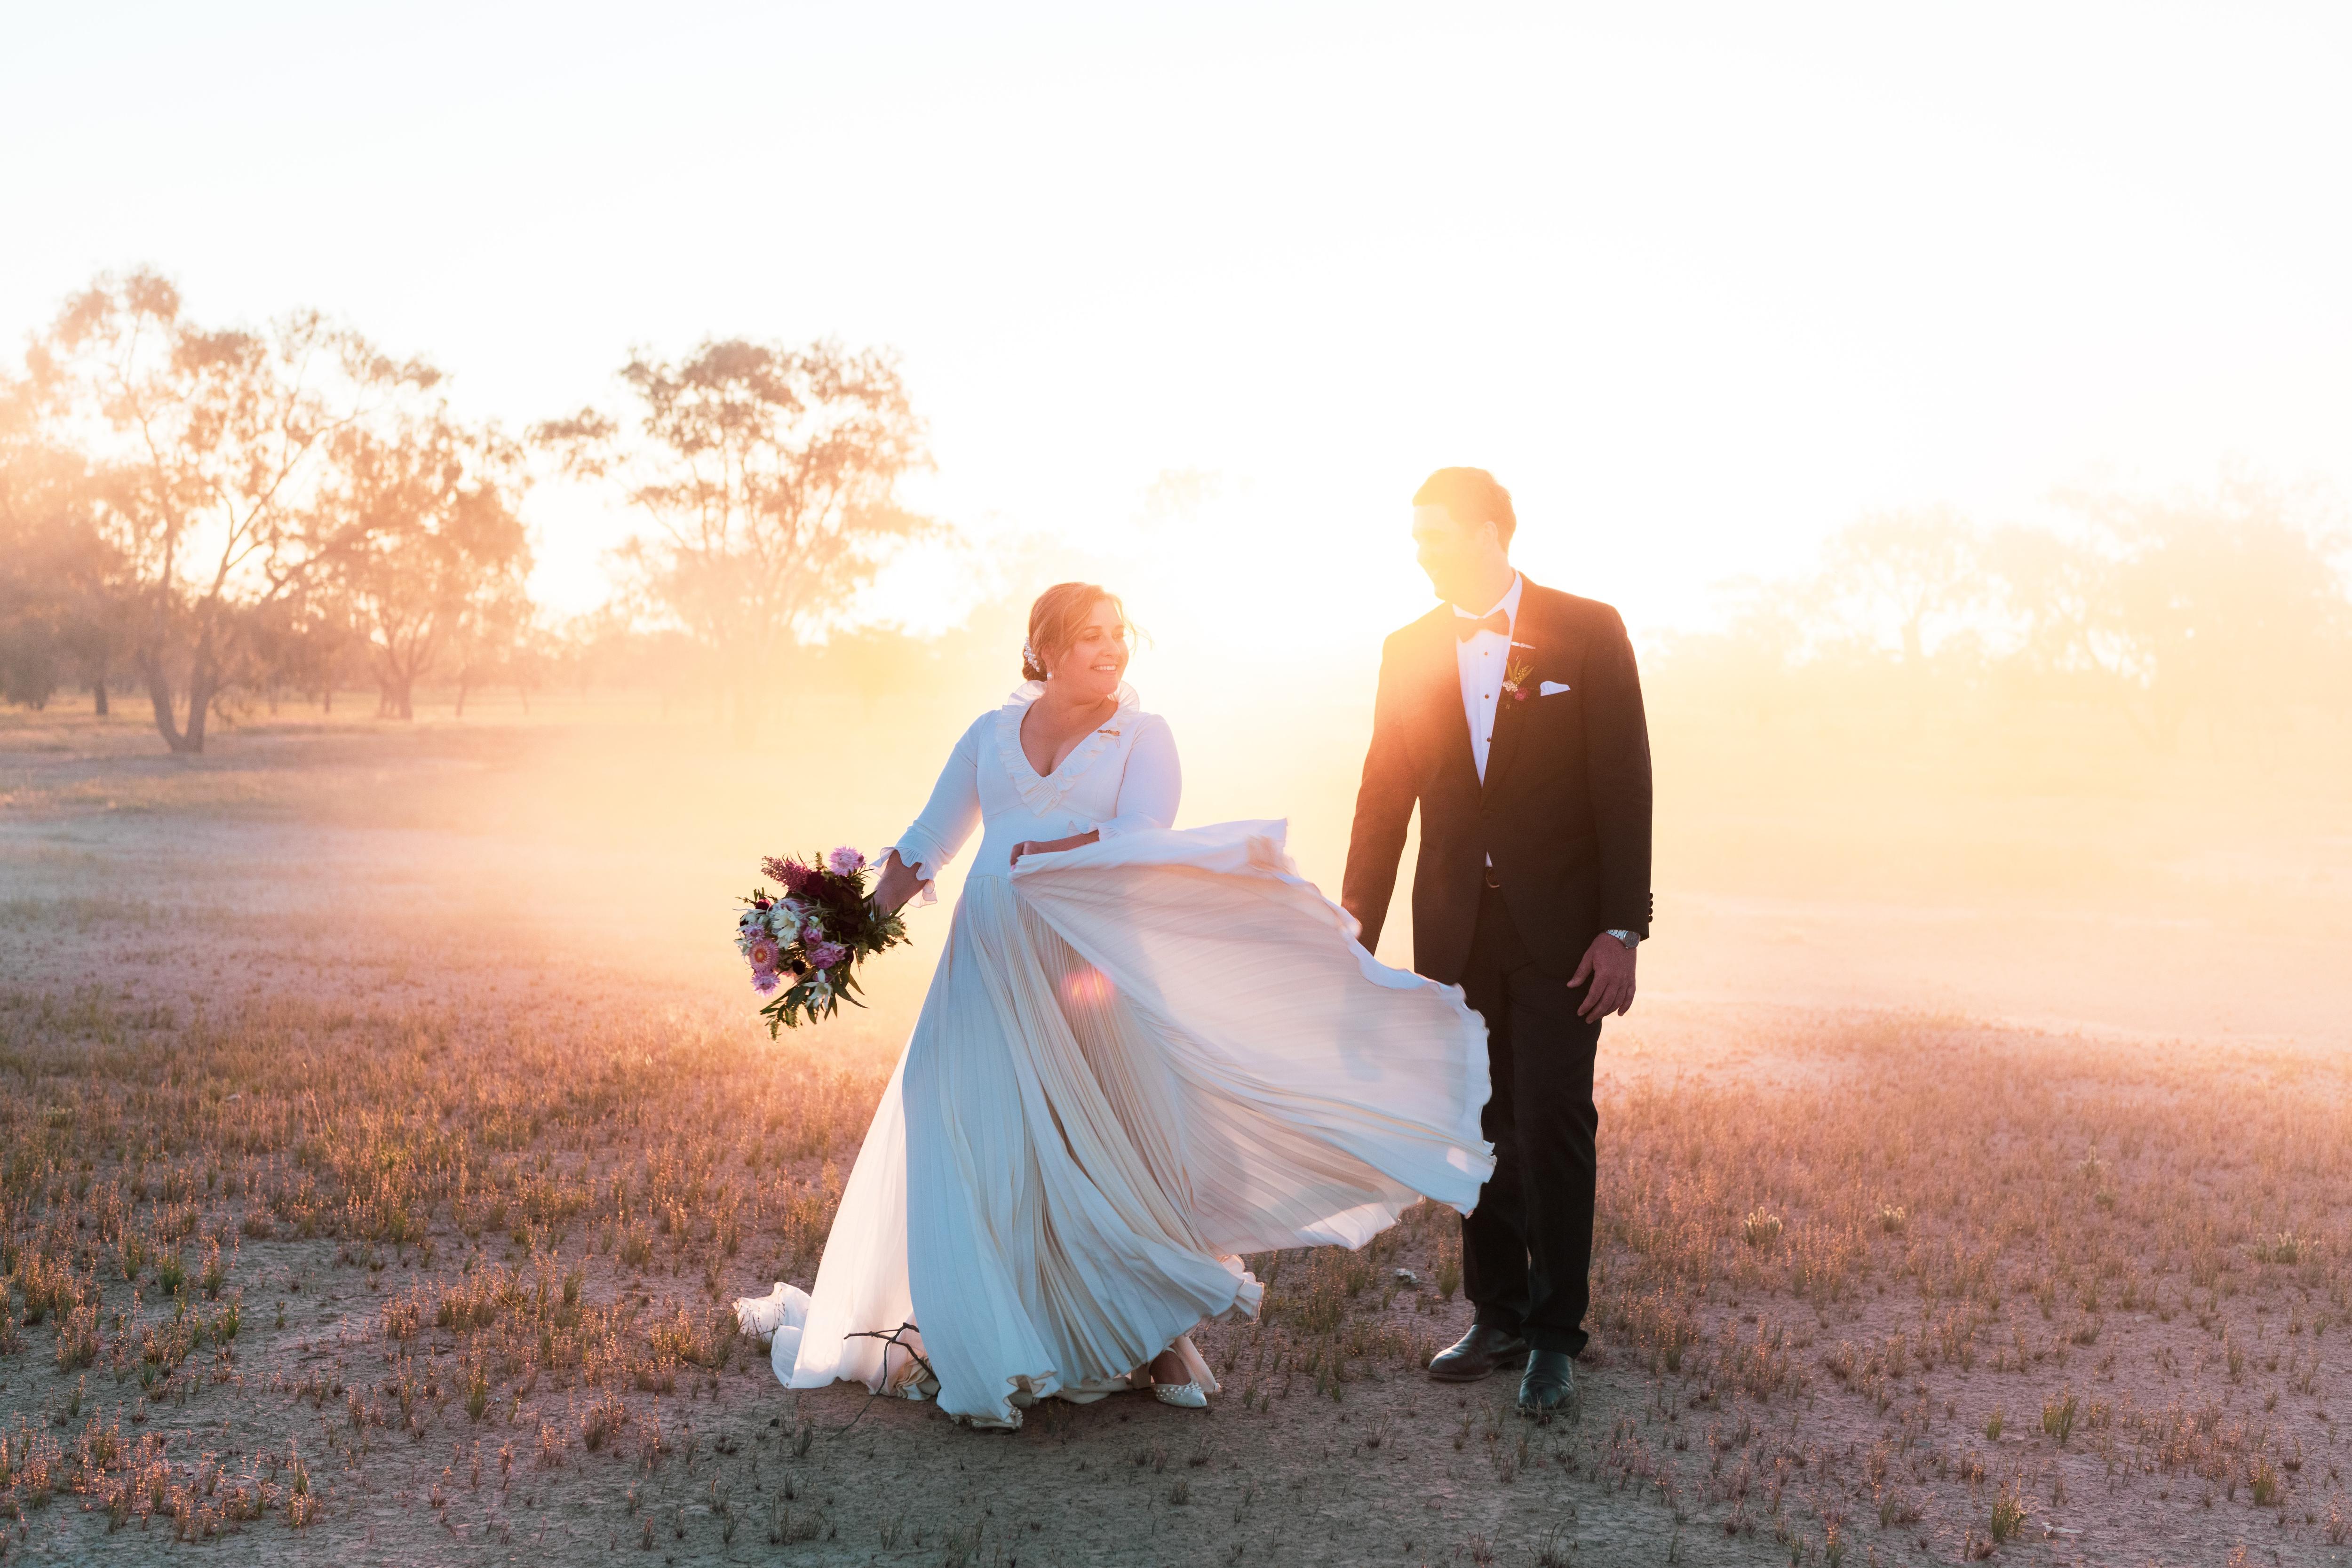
x=1090 y=668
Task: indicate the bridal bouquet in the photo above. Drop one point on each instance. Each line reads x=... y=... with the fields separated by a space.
x=804 y=945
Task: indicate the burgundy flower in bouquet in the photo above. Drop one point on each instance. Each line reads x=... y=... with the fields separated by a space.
x=805 y=943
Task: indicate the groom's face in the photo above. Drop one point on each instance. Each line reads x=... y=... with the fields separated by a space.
x=1452 y=555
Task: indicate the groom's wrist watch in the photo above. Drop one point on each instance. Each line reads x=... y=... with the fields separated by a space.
x=1627 y=937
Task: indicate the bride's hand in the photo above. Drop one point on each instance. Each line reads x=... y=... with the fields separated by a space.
x=1054 y=846
x=897 y=884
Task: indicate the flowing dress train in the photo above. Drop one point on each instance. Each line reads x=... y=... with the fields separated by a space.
x=1137 y=1060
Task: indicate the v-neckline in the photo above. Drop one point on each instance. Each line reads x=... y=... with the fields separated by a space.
x=1020 y=742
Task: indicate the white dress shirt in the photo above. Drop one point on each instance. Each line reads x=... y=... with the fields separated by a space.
x=1482 y=661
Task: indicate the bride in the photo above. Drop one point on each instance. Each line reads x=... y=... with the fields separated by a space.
x=1144 y=1053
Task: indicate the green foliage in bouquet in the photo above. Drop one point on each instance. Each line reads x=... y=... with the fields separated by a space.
x=805 y=943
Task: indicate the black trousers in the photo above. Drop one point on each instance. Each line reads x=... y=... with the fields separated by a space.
x=1527 y=1249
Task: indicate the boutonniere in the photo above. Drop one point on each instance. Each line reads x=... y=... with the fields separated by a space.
x=1516 y=675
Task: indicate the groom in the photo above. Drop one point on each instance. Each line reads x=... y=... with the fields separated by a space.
x=1512 y=714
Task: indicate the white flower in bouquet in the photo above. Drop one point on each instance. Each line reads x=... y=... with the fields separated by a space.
x=798 y=962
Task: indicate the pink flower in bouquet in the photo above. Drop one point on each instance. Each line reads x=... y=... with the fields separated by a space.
x=795 y=877
x=800 y=939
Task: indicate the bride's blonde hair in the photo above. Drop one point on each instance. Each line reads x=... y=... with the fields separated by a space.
x=1055 y=620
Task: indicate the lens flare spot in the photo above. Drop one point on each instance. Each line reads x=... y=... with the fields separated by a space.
x=1088 y=987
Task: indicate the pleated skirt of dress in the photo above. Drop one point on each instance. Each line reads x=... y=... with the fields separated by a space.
x=1137 y=1061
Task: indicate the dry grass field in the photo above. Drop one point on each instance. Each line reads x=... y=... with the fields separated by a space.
x=386 y=1132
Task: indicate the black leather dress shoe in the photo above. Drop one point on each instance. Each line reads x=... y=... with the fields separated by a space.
x=1548 y=1386
x=1476 y=1354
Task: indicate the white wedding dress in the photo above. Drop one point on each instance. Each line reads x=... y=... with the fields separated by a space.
x=1138 y=1060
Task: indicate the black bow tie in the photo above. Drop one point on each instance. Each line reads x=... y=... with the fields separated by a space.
x=1464 y=629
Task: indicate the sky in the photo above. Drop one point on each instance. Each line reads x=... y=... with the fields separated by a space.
x=1700 y=284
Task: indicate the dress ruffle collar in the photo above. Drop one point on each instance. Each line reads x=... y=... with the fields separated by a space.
x=1043 y=792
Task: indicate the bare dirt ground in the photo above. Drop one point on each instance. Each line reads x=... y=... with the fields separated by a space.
x=386 y=1130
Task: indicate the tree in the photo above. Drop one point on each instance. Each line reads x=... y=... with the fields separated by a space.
x=1902 y=570
x=419 y=521
x=770 y=476
x=2225 y=599
x=532 y=657
x=214 y=444
x=61 y=582
x=308 y=642
x=1751 y=661
x=2057 y=593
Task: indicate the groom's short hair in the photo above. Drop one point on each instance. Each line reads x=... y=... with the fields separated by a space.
x=1470 y=497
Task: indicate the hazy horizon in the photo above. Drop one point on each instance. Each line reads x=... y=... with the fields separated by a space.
x=1701 y=287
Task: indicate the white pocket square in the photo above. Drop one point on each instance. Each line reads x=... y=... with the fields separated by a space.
x=1551 y=688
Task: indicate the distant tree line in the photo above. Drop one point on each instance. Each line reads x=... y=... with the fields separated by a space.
x=190 y=511
x=2228 y=602
x=201 y=516
x=197 y=516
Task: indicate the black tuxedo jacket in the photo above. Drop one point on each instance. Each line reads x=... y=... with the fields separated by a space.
x=1565 y=809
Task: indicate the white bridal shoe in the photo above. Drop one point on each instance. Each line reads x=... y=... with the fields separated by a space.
x=781 y=1314
x=1184 y=1396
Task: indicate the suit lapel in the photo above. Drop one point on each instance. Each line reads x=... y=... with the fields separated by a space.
x=1443 y=719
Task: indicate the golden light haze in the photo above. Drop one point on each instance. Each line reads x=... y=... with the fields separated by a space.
x=1953 y=399
x=1703 y=283
x=1188 y=303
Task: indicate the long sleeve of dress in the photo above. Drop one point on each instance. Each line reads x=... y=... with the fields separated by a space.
x=1153 y=783
x=949 y=817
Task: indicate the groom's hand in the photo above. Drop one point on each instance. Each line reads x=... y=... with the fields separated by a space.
x=1609 y=964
